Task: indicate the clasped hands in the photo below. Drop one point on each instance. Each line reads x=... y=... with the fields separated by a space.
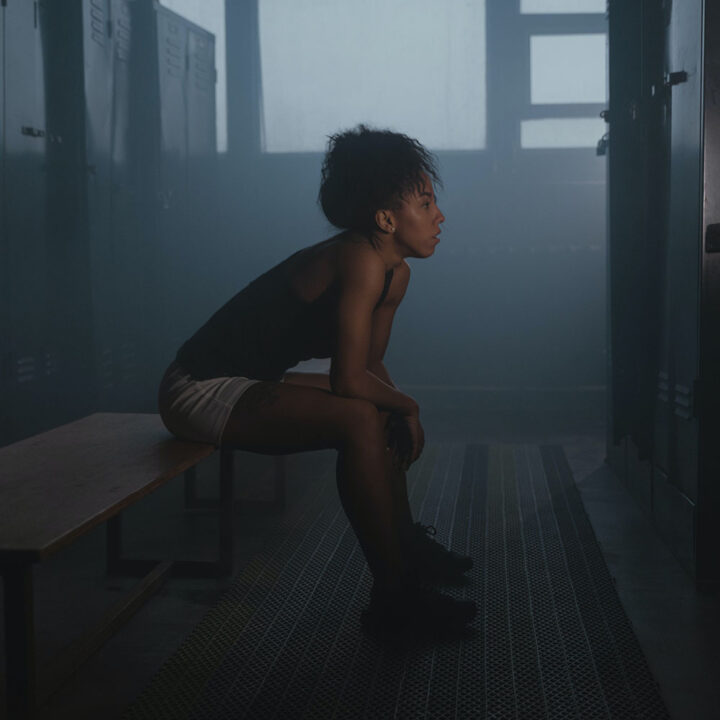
x=405 y=438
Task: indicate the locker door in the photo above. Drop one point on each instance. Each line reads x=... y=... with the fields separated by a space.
x=202 y=157
x=174 y=202
x=127 y=270
x=637 y=190
x=708 y=520
x=5 y=362
x=201 y=94
x=27 y=359
x=675 y=489
x=626 y=170
x=98 y=86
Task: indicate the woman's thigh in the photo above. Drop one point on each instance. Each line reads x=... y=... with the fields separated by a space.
x=279 y=418
x=319 y=380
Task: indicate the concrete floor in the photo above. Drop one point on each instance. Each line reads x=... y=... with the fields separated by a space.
x=678 y=628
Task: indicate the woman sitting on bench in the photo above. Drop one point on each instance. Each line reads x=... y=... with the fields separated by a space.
x=336 y=299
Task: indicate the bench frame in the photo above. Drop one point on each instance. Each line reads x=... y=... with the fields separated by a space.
x=23 y=685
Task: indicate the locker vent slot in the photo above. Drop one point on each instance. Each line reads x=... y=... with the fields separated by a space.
x=123 y=34
x=98 y=22
x=25 y=369
x=663 y=387
x=203 y=71
x=683 y=402
x=174 y=55
x=51 y=363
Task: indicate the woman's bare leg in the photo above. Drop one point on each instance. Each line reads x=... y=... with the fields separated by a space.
x=276 y=418
x=396 y=476
x=289 y=417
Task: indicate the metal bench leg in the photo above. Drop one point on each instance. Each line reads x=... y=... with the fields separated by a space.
x=118 y=564
x=280 y=476
x=192 y=500
x=226 y=510
x=113 y=544
x=190 y=487
x=19 y=642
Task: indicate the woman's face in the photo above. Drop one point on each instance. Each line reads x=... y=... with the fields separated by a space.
x=417 y=222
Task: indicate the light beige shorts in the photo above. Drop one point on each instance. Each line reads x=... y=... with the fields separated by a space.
x=198 y=409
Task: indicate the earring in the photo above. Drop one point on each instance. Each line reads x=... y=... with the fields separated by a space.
x=392 y=229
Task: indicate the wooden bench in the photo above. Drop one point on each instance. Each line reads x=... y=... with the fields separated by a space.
x=57 y=486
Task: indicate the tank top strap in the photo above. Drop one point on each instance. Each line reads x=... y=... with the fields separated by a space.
x=386 y=287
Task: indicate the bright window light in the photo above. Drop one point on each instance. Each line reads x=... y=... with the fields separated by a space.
x=415 y=66
x=210 y=16
x=568 y=69
x=543 y=7
x=562 y=132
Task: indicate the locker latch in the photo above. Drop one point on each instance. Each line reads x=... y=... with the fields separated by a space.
x=602 y=145
x=32 y=132
x=712 y=238
x=675 y=78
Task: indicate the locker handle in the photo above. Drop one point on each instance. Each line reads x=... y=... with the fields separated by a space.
x=712 y=238
x=32 y=132
x=676 y=78
x=602 y=145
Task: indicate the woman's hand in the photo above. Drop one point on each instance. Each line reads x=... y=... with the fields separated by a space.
x=405 y=437
x=418 y=434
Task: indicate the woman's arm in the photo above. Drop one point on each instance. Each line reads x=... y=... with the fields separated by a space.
x=361 y=338
x=382 y=323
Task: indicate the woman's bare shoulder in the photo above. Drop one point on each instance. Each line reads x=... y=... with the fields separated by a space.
x=357 y=256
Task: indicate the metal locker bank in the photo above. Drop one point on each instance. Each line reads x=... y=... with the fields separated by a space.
x=664 y=180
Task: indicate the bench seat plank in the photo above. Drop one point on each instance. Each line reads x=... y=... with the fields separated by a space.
x=58 y=485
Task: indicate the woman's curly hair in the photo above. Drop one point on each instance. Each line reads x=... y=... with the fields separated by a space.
x=366 y=170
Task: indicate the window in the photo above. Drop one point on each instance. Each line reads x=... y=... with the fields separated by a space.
x=561 y=132
x=210 y=15
x=417 y=66
x=567 y=69
x=567 y=86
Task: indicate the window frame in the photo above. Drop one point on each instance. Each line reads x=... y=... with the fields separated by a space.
x=507 y=50
x=558 y=24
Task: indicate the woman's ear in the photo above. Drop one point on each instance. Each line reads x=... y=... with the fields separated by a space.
x=385 y=221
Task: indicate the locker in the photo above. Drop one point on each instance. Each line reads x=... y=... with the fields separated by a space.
x=707 y=387
x=98 y=208
x=179 y=85
x=635 y=231
x=664 y=261
x=119 y=282
x=27 y=359
x=684 y=106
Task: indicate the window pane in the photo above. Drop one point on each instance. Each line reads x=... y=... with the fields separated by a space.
x=568 y=69
x=562 y=6
x=210 y=16
x=417 y=66
x=562 y=132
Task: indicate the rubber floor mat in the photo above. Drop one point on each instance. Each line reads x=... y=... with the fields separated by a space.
x=551 y=641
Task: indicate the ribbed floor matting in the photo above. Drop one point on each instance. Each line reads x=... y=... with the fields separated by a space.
x=552 y=639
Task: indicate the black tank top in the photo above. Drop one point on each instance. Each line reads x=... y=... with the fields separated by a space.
x=265 y=329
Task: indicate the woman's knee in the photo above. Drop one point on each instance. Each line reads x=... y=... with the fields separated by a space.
x=362 y=423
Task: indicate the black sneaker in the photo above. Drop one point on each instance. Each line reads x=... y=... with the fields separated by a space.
x=416 y=612
x=435 y=563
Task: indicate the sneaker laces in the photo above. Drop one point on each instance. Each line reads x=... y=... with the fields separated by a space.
x=426 y=539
